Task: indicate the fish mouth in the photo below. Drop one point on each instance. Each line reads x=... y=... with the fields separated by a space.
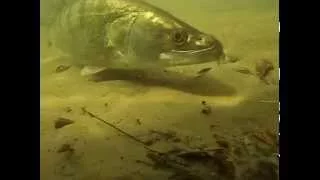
x=194 y=52
x=188 y=57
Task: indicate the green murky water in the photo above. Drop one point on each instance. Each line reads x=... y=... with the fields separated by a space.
x=229 y=104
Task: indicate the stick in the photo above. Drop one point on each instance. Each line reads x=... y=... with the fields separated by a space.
x=120 y=130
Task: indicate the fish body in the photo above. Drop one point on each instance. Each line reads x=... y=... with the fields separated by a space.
x=129 y=33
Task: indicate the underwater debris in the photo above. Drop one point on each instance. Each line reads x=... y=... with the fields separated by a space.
x=138 y=121
x=206 y=110
x=231 y=160
x=84 y=111
x=261 y=170
x=217 y=136
x=65 y=170
x=230 y=59
x=176 y=139
x=155 y=136
x=194 y=142
x=271 y=134
x=143 y=162
x=70 y=165
x=263 y=68
x=150 y=141
x=65 y=148
x=204 y=70
x=167 y=135
x=264 y=143
x=62 y=68
x=118 y=122
x=238 y=151
x=212 y=127
x=264 y=138
x=223 y=143
x=256 y=143
x=68 y=109
x=193 y=164
x=243 y=70
x=61 y=122
x=221 y=163
x=211 y=163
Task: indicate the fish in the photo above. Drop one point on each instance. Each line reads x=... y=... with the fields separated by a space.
x=106 y=34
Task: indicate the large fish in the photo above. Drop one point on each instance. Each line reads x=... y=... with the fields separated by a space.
x=104 y=34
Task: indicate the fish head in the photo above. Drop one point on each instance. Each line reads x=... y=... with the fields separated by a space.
x=165 y=40
x=189 y=46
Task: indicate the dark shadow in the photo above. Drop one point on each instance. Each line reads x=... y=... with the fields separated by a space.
x=204 y=85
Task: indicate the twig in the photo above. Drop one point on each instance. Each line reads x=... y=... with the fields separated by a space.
x=120 y=130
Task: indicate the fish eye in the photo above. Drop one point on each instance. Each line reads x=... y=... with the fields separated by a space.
x=179 y=37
